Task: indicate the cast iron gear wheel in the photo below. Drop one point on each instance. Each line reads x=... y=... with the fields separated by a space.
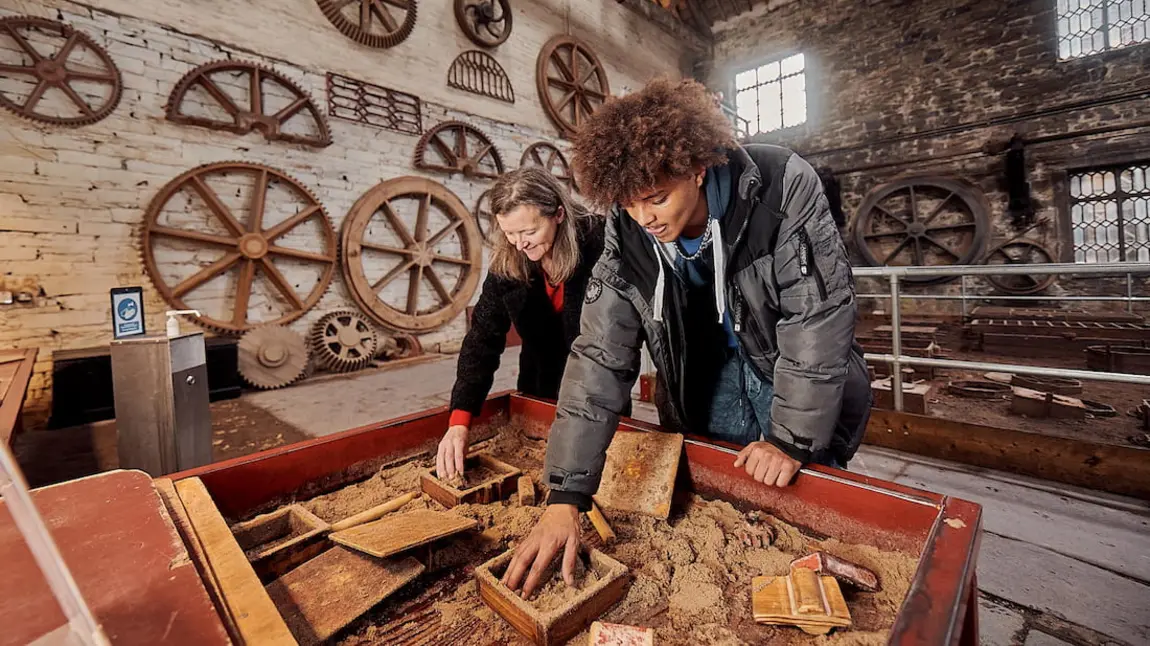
x=249 y=244
x=343 y=341
x=53 y=71
x=271 y=356
x=486 y=22
x=359 y=23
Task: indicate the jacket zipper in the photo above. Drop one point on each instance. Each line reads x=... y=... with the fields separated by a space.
x=737 y=301
x=807 y=263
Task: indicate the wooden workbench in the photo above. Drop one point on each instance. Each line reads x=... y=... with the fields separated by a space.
x=15 y=375
x=128 y=561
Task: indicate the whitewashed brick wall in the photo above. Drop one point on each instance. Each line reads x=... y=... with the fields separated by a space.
x=72 y=199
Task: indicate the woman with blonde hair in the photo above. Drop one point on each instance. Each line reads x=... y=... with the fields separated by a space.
x=544 y=248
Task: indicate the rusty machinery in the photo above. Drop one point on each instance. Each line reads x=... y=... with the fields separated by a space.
x=271 y=356
x=375 y=23
x=79 y=69
x=445 y=260
x=922 y=221
x=484 y=218
x=550 y=159
x=246 y=242
x=572 y=83
x=458 y=148
x=479 y=73
x=343 y=340
x=374 y=105
x=486 y=22
x=210 y=79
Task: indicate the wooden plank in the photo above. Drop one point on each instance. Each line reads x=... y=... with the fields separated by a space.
x=401 y=532
x=126 y=557
x=12 y=403
x=639 y=475
x=1106 y=467
x=145 y=419
x=330 y=591
x=175 y=506
x=256 y=617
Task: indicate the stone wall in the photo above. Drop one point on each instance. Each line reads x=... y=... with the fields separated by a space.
x=897 y=88
x=72 y=199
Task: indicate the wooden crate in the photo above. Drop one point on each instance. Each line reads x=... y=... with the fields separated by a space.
x=556 y=626
x=495 y=488
x=276 y=542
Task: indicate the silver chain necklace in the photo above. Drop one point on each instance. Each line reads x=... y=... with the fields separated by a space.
x=703 y=245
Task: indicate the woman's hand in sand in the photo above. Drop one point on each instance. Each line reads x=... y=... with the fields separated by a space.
x=452 y=450
x=558 y=529
x=767 y=463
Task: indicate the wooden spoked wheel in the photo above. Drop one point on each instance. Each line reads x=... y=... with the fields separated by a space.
x=571 y=81
x=412 y=254
x=484 y=217
x=375 y=23
x=456 y=147
x=1020 y=252
x=240 y=239
x=922 y=221
x=550 y=159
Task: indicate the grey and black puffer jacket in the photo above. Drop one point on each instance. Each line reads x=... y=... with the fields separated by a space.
x=789 y=292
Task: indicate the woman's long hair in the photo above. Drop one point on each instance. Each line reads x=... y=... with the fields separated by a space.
x=536 y=187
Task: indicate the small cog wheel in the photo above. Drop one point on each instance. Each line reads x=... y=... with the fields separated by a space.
x=343 y=341
x=272 y=356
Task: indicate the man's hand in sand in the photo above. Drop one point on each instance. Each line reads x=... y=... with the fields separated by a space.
x=558 y=529
x=767 y=463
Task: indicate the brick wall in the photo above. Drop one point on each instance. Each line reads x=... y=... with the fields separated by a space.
x=72 y=199
x=900 y=87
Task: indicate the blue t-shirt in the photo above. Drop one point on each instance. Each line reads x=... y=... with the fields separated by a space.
x=699 y=272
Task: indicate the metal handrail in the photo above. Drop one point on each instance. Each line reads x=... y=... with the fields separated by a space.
x=896 y=359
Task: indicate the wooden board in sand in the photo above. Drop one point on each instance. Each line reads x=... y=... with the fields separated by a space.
x=639 y=475
x=401 y=532
x=325 y=594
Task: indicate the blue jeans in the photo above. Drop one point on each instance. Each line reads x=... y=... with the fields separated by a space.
x=741 y=407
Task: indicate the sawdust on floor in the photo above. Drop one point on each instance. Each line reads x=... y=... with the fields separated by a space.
x=690 y=575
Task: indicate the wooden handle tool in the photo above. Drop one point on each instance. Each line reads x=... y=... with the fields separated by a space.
x=606 y=534
x=374 y=513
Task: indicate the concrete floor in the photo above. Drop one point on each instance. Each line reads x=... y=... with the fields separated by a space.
x=1058 y=565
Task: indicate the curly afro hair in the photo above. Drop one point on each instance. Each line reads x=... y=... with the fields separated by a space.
x=633 y=142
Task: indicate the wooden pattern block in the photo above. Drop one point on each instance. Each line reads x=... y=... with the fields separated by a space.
x=497 y=487
x=1037 y=404
x=526 y=491
x=639 y=475
x=804 y=599
x=604 y=634
x=278 y=541
x=556 y=626
x=402 y=532
x=330 y=591
x=256 y=617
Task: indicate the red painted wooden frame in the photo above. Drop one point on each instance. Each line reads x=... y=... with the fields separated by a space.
x=940 y=608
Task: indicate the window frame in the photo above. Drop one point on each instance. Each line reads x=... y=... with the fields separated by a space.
x=1107 y=47
x=1065 y=202
x=767 y=60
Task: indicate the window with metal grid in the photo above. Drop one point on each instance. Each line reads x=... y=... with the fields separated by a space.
x=1088 y=27
x=1110 y=213
x=772 y=96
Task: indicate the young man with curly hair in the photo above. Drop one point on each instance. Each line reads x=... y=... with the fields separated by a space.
x=726 y=261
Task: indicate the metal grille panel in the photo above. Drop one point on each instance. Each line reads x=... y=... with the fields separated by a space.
x=1110 y=214
x=1087 y=27
x=375 y=105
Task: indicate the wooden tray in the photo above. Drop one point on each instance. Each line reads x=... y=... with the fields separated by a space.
x=556 y=626
x=275 y=543
x=489 y=490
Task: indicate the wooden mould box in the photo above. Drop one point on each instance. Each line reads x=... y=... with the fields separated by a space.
x=558 y=625
x=276 y=542
x=940 y=608
x=497 y=487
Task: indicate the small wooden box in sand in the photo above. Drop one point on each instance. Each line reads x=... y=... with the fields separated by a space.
x=639 y=475
x=278 y=541
x=813 y=603
x=486 y=480
x=553 y=625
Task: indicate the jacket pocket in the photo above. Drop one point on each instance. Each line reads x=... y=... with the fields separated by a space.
x=808 y=264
